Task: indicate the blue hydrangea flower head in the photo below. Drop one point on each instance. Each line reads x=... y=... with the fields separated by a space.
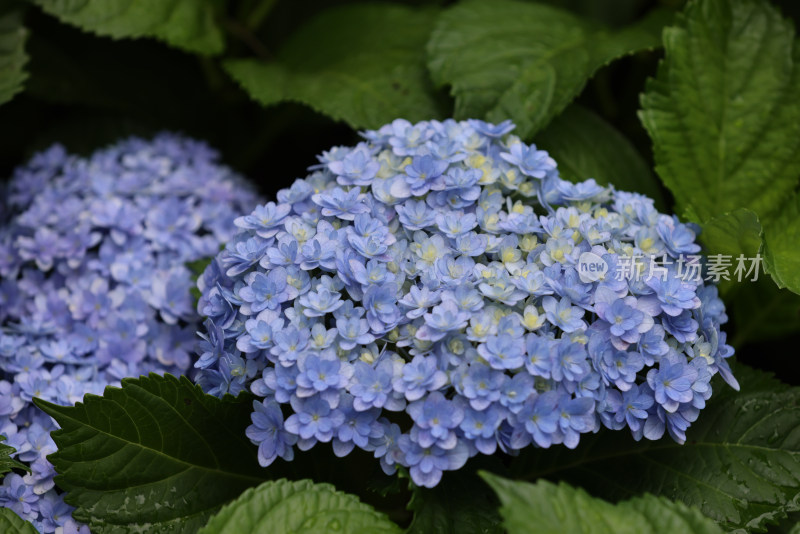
x=437 y=292
x=95 y=287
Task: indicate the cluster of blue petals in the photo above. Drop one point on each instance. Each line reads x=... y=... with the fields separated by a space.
x=418 y=296
x=94 y=285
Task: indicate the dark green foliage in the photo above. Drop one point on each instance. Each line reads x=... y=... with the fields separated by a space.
x=7 y=463
x=740 y=464
x=546 y=508
x=12 y=52
x=11 y=523
x=281 y=506
x=157 y=453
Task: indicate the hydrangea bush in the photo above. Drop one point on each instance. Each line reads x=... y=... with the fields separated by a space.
x=95 y=285
x=423 y=296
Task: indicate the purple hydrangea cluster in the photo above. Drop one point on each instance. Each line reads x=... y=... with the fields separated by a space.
x=422 y=296
x=94 y=285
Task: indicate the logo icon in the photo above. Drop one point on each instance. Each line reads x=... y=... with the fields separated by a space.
x=591 y=267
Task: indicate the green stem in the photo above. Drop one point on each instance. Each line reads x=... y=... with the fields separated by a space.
x=402 y=352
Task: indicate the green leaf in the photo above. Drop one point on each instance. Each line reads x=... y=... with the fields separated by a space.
x=7 y=463
x=723 y=112
x=740 y=464
x=724 y=117
x=460 y=504
x=281 y=506
x=732 y=234
x=12 y=53
x=363 y=64
x=586 y=146
x=781 y=252
x=525 y=61
x=11 y=523
x=186 y=24
x=548 y=508
x=156 y=454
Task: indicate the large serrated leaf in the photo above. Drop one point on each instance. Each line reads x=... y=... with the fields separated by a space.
x=524 y=61
x=732 y=234
x=281 y=506
x=7 y=463
x=12 y=52
x=734 y=237
x=760 y=310
x=363 y=64
x=11 y=523
x=781 y=240
x=586 y=146
x=723 y=111
x=157 y=454
x=545 y=508
x=740 y=464
x=186 y=24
